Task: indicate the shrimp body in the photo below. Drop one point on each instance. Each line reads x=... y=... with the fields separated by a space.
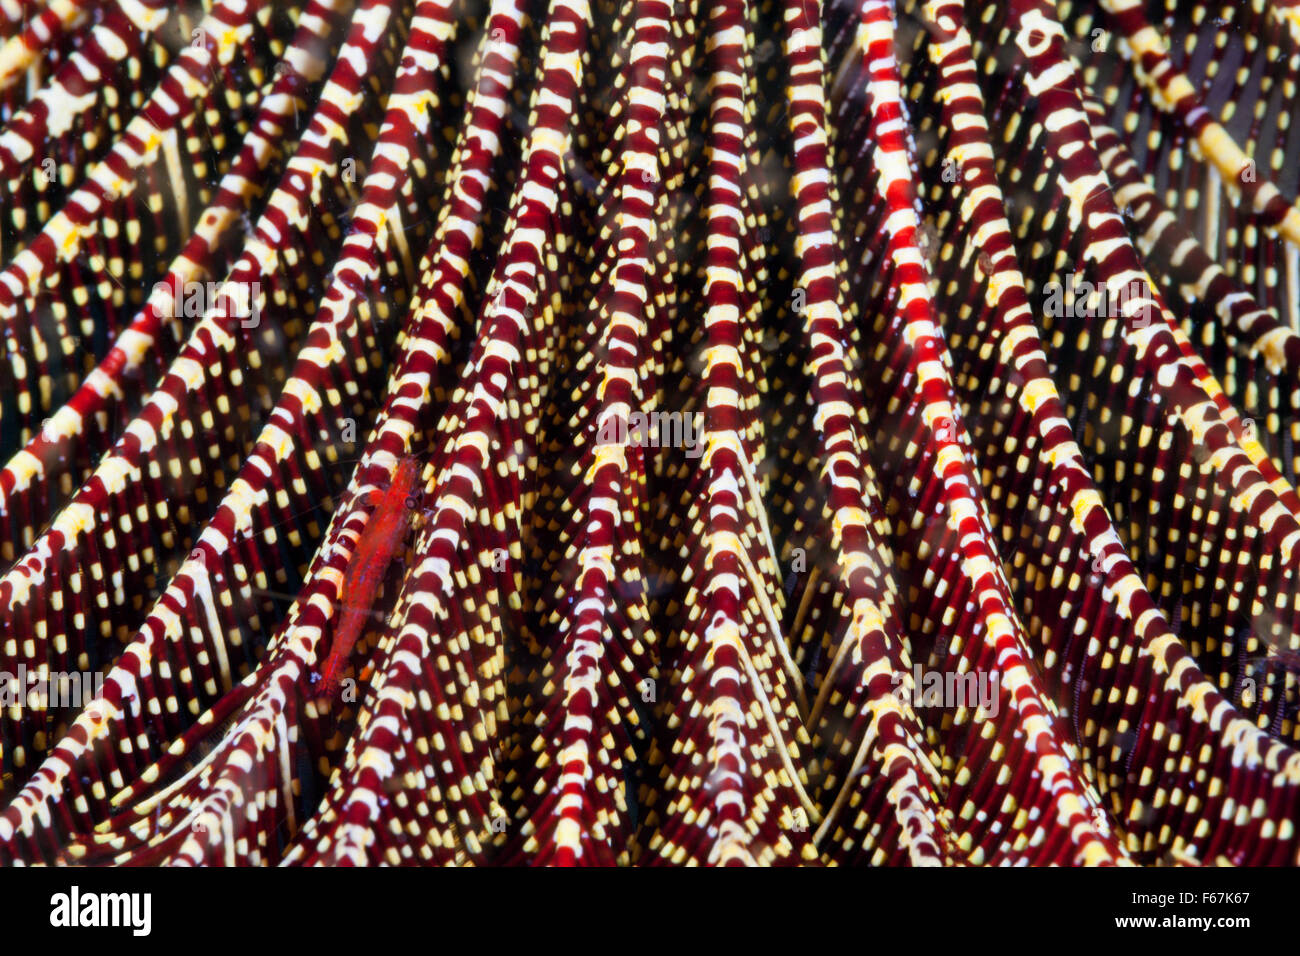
x=383 y=534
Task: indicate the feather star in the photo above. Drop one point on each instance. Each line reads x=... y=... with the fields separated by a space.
x=635 y=432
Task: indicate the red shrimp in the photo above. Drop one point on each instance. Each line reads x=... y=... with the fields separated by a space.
x=380 y=539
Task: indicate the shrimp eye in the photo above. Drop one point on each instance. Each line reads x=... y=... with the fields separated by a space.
x=411 y=502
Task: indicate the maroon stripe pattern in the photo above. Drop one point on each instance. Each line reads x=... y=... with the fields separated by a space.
x=646 y=432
